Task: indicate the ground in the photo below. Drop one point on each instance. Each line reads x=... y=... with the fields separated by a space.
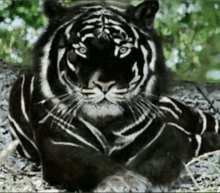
x=19 y=174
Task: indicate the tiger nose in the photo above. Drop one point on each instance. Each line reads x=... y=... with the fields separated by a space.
x=105 y=86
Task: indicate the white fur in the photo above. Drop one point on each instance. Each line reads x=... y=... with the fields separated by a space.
x=22 y=100
x=179 y=127
x=66 y=144
x=20 y=131
x=204 y=121
x=170 y=111
x=216 y=126
x=154 y=56
x=67 y=31
x=32 y=86
x=136 y=37
x=100 y=137
x=61 y=53
x=150 y=85
x=149 y=144
x=145 y=70
x=199 y=141
x=102 y=110
x=90 y=21
x=168 y=100
x=118 y=9
x=87 y=36
x=136 y=76
x=123 y=141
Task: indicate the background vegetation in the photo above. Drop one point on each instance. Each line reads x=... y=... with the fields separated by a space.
x=190 y=31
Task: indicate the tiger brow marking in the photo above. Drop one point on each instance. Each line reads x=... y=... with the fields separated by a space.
x=111 y=21
x=71 y=23
x=117 y=8
x=116 y=27
x=87 y=27
x=91 y=21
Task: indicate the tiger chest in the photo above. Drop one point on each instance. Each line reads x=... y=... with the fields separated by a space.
x=119 y=138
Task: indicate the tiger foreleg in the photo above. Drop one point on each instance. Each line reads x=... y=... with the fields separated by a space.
x=162 y=162
x=79 y=168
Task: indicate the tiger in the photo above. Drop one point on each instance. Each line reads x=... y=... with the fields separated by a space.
x=94 y=109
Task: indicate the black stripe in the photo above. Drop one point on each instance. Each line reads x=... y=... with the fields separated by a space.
x=29 y=148
x=58 y=134
x=210 y=123
x=122 y=155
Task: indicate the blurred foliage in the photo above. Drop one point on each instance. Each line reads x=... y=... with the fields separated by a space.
x=191 y=35
x=190 y=31
x=20 y=24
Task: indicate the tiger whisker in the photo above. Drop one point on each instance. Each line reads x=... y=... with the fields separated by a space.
x=48 y=113
x=50 y=98
x=132 y=111
x=73 y=102
x=151 y=106
x=139 y=108
x=69 y=99
x=146 y=107
x=80 y=108
x=71 y=112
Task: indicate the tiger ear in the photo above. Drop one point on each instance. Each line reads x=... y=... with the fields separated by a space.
x=145 y=12
x=53 y=9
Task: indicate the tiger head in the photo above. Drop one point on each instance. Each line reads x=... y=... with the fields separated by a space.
x=100 y=58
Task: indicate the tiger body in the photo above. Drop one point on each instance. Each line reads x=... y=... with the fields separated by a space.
x=92 y=109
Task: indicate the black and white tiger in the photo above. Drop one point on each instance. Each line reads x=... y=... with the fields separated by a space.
x=92 y=110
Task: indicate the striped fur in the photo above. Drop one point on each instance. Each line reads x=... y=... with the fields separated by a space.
x=93 y=106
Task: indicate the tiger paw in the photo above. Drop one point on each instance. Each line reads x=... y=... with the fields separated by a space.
x=124 y=181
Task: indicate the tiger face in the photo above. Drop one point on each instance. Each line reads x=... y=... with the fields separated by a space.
x=101 y=58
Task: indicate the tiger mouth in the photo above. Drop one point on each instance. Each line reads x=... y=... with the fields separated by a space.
x=102 y=109
x=97 y=96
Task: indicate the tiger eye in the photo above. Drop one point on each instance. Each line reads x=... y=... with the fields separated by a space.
x=123 y=50
x=82 y=50
x=72 y=56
